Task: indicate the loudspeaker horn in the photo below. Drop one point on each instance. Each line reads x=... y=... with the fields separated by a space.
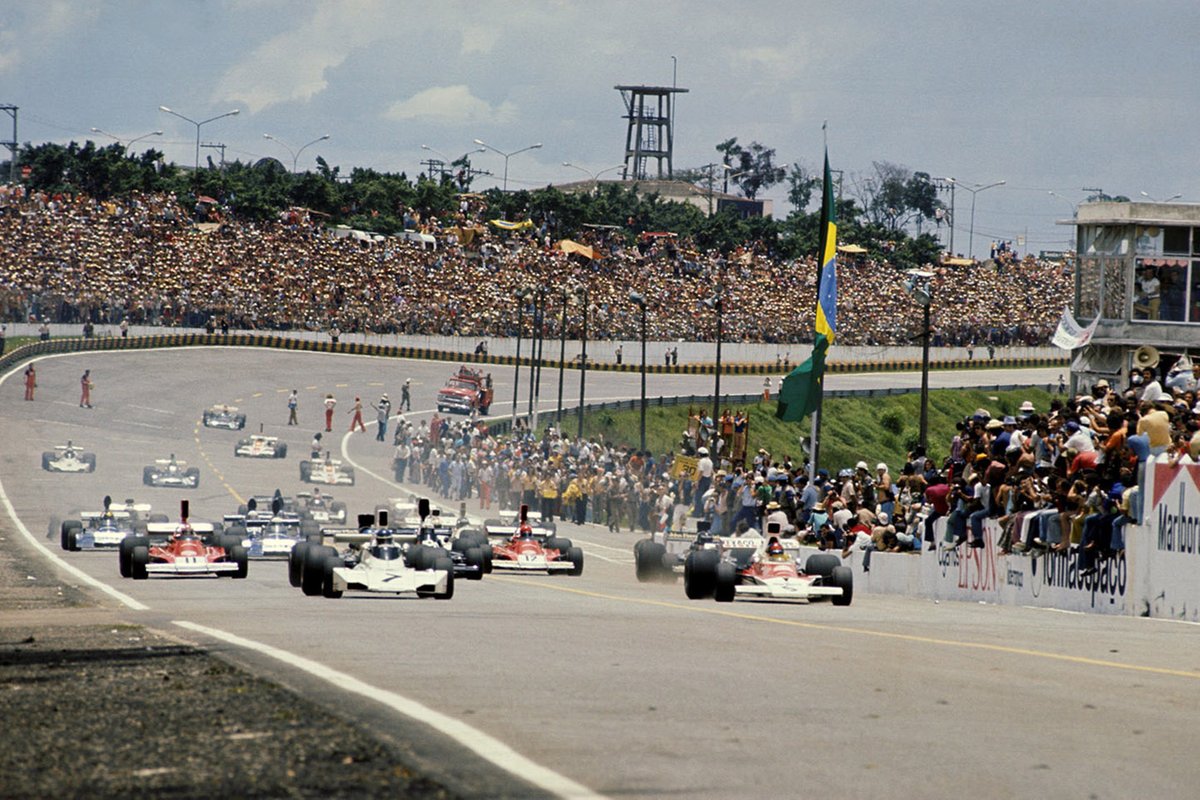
x=1145 y=357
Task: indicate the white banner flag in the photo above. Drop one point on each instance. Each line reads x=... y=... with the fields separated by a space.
x=1069 y=335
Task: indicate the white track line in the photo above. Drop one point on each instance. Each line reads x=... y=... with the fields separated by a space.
x=475 y=740
x=73 y=570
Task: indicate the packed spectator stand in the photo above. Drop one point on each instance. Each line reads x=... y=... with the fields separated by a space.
x=151 y=259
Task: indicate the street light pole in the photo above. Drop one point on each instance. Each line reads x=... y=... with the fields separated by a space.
x=507 y=156
x=294 y=153
x=974 y=190
x=638 y=299
x=595 y=176
x=126 y=147
x=583 y=295
x=919 y=286
x=520 y=294
x=562 y=357
x=198 y=124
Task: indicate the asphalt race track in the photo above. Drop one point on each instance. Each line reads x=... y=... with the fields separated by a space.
x=599 y=684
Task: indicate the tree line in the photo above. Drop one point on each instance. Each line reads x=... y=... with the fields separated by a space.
x=889 y=211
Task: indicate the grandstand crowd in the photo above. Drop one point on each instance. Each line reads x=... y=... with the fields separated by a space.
x=151 y=259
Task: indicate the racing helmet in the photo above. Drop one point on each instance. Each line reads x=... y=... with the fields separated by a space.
x=775 y=550
x=525 y=531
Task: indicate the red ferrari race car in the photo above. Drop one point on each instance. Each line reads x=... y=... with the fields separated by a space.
x=182 y=549
x=529 y=549
x=757 y=568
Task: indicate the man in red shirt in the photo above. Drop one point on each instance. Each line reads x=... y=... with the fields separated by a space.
x=937 y=496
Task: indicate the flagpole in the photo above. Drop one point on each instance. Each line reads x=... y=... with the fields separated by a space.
x=815 y=449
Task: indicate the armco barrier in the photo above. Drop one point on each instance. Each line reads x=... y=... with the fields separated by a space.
x=69 y=344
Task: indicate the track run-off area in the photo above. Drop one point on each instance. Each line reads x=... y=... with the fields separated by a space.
x=598 y=685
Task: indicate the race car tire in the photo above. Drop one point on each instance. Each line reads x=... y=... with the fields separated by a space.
x=158 y=518
x=90 y=460
x=309 y=528
x=462 y=544
x=312 y=573
x=419 y=557
x=68 y=527
x=575 y=556
x=46 y=459
x=123 y=561
x=700 y=574
x=240 y=421
x=148 y=476
x=240 y=444
x=821 y=564
x=296 y=563
x=281 y=450
x=193 y=473
x=237 y=554
x=306 y=471
x=243 y=510
x=724 y=590
x=492 y=522
x=843 y=578
x=648 y=559
x=230 y=540
x=337 y=510
x=328 y=565
x=139 y=557
x=349 y=472
x=72 y=542
x=474 y=558
x=555 y=543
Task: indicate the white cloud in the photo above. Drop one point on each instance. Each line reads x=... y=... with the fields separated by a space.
x=42 y=28
x=292 y=66
x=451 y=105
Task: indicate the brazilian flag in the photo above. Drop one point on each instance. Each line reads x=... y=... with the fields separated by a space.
x=802 y=387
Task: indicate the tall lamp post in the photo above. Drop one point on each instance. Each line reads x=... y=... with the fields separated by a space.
x=535 y=352
x=520 y=294
x=295 y=153
x=198 y=124
x=562 y=355
x=919 y=287
x=716 y=302
x=507 y=156
x=582 y=291
x=640 y=301
x=974 y=190
x=126 y=147
x=595 y=176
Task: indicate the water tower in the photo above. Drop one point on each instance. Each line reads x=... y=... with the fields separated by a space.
x=650 y=132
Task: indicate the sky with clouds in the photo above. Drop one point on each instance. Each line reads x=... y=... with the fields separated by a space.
x=1048 y=96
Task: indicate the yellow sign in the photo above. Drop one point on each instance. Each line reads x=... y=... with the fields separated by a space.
x=685 y=465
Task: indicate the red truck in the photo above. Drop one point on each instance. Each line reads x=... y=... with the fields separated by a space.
x=467 y=389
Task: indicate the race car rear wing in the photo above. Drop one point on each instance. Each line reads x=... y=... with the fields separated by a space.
x=118 y=515
x=167 y=529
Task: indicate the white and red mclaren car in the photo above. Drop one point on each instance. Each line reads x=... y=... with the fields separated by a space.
x=753 y=567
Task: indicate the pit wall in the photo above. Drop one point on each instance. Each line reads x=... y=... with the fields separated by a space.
x=1158 y=575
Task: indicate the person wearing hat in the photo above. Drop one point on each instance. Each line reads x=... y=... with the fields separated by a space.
x=777 y=516
x=405 y=396
x=885 y=495
x=383 y=410
x=704 y=473
x=1027 y=409
x=330 y=402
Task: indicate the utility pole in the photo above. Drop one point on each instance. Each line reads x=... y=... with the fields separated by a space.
x=216 y=146
x=11 y=144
